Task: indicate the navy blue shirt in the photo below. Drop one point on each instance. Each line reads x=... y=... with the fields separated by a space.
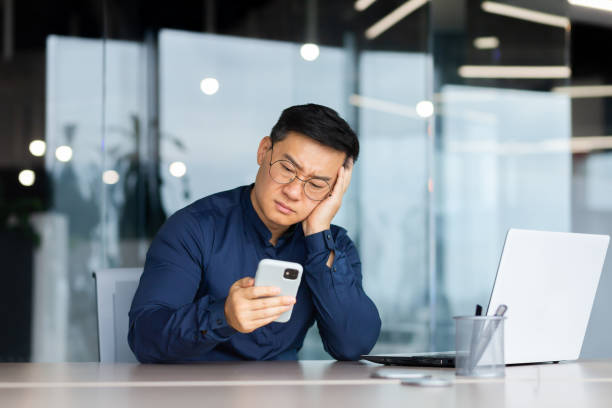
x=177 y=314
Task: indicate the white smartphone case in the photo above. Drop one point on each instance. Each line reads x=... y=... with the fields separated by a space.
x=270 y=272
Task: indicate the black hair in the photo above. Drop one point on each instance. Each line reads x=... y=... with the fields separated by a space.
x=319 y=123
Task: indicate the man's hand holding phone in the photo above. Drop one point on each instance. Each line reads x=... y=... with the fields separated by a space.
x=249 y=307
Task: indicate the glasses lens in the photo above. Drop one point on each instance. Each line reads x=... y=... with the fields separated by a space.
x=282 y=171
x=316 y=189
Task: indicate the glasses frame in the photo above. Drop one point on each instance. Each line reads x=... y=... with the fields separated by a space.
x=295 y=176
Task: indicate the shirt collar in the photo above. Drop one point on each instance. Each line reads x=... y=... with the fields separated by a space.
x=260 y=228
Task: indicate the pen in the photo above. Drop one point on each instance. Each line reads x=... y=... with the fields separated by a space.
x=501 y=310
x=476 y=329
x=487 y=334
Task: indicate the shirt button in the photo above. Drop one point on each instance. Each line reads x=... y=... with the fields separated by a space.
x=219 y=321
x=334 y=269
x=328 y=236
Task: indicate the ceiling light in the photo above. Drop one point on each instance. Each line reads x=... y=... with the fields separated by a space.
x=209 y=86
x=585 y=91
x=588 y=144
x=63 y=153
x=361 y=5
x=38 y=148
x=486 y=43
x=26 y=177
x=309 y=51
x=177 y=169
x=425 y=109
x=110 y=177
x=526 y=14
x=575 y=145
x=527 y=72
x=366 y=102
x=605 y=5
x=393 y=18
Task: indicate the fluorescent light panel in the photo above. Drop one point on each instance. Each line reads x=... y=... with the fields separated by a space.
x=590 y=143
x=486 y=43
x=525 y=14
x=527 y=72
x=383 y=106
x=361 y=5
x=585 y=91
x=605 y=5
x=574 y=145
x=393 y=18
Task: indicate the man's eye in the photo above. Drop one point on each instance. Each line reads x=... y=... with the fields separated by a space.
x=317 y=185
x=287 y=168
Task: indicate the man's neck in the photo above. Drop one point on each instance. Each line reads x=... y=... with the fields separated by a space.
x=274 y=229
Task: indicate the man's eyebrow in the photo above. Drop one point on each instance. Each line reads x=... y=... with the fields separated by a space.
x=300 y=168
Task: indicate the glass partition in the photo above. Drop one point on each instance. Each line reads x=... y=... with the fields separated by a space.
x=503 y=156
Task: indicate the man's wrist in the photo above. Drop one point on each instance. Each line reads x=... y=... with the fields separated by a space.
x=321 y=244
x=216 y=326
x=313 y=229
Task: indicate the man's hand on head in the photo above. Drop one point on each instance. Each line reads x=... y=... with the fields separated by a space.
x=249 y=307
x=320 y=218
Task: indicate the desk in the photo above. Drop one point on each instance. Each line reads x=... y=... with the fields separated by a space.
x=310 y=384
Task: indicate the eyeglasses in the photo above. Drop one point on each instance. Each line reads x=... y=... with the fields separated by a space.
x=284 y=172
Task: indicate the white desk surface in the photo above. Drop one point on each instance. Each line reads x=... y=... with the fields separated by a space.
x=294 y=384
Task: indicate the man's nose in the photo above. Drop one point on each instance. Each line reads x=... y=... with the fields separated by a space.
x=293 y=190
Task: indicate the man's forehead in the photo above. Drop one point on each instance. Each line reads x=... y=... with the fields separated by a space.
x=298 y=144
x=309 y=155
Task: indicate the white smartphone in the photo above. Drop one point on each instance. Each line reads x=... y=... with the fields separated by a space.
x=282 y=274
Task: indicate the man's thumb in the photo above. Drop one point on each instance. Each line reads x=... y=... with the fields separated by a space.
x=245 y=282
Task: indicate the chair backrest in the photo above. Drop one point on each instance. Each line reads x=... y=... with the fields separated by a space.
x=115 y=290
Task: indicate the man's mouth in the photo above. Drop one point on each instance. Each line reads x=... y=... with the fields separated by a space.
x=283 y=208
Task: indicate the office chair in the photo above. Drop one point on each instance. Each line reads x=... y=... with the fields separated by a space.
x=115 y=289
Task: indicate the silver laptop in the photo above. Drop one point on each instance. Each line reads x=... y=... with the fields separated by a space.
x=548 y=280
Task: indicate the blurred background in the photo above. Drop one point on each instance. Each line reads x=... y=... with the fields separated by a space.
x=473 y=117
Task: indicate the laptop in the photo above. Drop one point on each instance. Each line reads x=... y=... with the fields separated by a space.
x=548 y=280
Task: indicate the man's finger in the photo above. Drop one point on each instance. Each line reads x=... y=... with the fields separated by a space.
x=258 y=304
x=261 y=291
x=338 y=187
x=262 y=322
x=350 y=163
x=348 y=172
x=269 y=312
x=246 y=282
x=242 y=283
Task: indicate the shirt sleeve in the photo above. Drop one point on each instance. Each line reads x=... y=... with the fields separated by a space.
x=347 y=318
x=167 y=324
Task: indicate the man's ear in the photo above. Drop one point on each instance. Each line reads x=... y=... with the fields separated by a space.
x=264 y=146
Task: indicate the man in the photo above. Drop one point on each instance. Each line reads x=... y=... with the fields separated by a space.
x=196 y=300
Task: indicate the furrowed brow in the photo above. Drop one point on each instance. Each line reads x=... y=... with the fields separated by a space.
x=300 y=168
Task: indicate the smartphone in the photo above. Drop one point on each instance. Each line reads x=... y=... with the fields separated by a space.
x=282 y=274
